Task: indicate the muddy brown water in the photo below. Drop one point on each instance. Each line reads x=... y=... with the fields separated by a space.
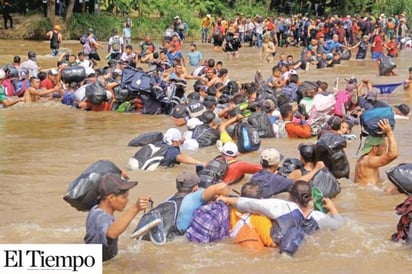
x=44 y=146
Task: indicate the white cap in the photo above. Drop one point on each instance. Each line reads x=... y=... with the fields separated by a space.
x=271 y=156
x=230 y=149
x=193 y=122
x=172 y=134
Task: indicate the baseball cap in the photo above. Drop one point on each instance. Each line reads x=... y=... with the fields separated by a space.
x=271 y=156
x=230 y=149
x=179 y=111
x=307 y=151
x=334 y=122
x=112 y=183
x=403 y=108
x=370 y=142
x=53 y=72
x=172 y=134
x=186 y=180
x=193 y=122
x=196 y=109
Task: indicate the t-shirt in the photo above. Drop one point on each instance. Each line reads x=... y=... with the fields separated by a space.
x=237 y=170
x=170 y=157
x=47 y=84
x=194 y=58
x=271 y=183
x=127 y=32
x=97 y=224
x=190 y=203
x=296 y=130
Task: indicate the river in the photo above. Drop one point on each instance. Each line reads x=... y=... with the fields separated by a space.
x=44 y=146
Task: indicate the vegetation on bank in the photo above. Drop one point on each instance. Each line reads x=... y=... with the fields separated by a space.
x=154 y=16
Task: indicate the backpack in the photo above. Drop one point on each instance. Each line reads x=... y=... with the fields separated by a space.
x=404 y=224
x=370 y=118
x=20 y=87
x=83 y=192
x=83 y=39
x=210 y=223
x=148 y=157
x=247 y=137
x=213 y=172
x=261 y=122
x=401 y=177
x=217 y=32
x=116 y=45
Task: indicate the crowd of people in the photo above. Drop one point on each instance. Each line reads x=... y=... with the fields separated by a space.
x=213 y=110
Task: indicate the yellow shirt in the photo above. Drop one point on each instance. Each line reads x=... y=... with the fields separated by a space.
x=261 y=224
x=205 y=22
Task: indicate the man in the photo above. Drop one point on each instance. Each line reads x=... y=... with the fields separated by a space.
x=375 y=153
x=4 y=101
x=194 y=200
x=268 y=178
x=55 y=38
x=34 y=92
x=101 y=226
x=115 y=46
x=30 y=64
x=293 y=129
x=127 y=31
x=6 y=14
x=204 y=25
x=173 y=138
x=401 y=111
x=51 y=81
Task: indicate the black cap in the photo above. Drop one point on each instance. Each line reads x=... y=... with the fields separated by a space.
x=403 y=108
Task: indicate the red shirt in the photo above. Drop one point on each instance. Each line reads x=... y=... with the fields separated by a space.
x=296 y=130
x=378 y=44
x=47 y=84
x=237 y=170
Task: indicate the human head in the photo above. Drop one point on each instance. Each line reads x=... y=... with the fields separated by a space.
x=187 y=182
x=31 y=55
x=192 y=123
x=270 y=157
x=57 y=28
x=402 y=109
x=172 y=135
x=372 y=96
x=286 y=111
x=301 y=193
x=251 y=190
x=207 y=117
x=370 y=143
x=112 y=183
x=16 y=59
x=230 y=149
x=307 y=152
x=334 y=122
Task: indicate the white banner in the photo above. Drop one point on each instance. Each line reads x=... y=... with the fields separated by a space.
x=50 y=258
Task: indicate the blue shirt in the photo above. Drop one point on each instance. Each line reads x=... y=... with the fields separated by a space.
x=194 y=58
x=190 y=203
x=173 y=56
x=271 y=183
x=170 y=158
x=97 y=223
x=126 y=32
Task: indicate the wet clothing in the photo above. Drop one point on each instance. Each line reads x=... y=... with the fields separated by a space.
x=271 y=183
x=97 y=224
x=237 y=170
x=190 y=203
x=170 y=158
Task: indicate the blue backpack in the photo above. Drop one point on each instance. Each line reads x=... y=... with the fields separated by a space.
x=370 y=118
x=210 y=223
x=248 y=138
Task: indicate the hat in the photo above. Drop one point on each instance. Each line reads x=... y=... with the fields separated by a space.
x=179 y=111
x=193 y=122
x=172 y=134
x=372 y=95
x=403 y=108
x=112 y=183
x=186 y=180
x=334 y=122
x=271 y=156
x=365 y=37
x=207 y=117
x=222 y=72
x=57 y=27
x=230 y=149
x=177 y=17
x=53 y=72
x=370 y=142
x=267 y=105
x=208 y=16
x=292 y=71
x=196 y=109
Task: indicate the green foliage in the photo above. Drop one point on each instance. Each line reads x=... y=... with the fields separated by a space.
x=103 y=24
x=38 y=29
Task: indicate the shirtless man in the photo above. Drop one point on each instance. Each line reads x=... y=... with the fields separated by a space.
x=268 y=50
x=376 y=152
x=34 y=92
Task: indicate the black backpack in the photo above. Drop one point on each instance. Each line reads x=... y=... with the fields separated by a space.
x=83 y=39
x=213 y=172
x=247 y=137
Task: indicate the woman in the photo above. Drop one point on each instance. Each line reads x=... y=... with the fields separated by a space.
x=290 y=218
